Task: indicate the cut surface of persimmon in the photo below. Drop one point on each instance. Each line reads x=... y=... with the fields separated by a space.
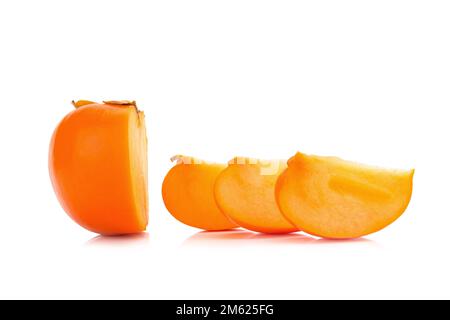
x=188 y=193
x=245 y=191
x=98 y=166
x=334 y=198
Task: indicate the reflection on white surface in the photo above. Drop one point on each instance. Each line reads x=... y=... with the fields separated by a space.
x=232 y=237
x=124 y=240
x=229 y=235
x=227 y=238
x=346 y=241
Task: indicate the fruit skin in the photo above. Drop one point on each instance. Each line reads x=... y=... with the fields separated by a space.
x=333 y=198
x=245 y=192
x=188 y=194
x=98 y=167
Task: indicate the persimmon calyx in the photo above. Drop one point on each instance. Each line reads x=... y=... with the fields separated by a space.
x=81 y=103
x=121 y=102
x=180 y=159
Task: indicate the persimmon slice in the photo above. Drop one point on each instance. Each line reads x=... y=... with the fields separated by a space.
x=245 y=191
x=334 y=198
x=188 y=194
x=98 y=167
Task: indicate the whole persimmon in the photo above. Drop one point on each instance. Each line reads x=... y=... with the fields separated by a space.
x=98 y=166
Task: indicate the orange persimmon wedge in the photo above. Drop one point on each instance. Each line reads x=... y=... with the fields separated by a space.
x=245 y=191
x=98 y=166
x=333 y=198
x=188 y=194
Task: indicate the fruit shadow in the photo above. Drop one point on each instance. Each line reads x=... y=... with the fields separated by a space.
x=240 y=237
x=119 y=241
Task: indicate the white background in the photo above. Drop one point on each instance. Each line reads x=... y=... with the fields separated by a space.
x=364 y=80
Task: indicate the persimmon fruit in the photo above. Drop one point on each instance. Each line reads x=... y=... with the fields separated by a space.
x=333 y=198
x=188 y=194
x=98 y=166
x=245 y=191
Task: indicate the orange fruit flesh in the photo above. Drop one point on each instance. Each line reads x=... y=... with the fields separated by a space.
x=139 y=164
x=333 y=198
x=98 y=168
x=188 y=194
x=245 y=191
